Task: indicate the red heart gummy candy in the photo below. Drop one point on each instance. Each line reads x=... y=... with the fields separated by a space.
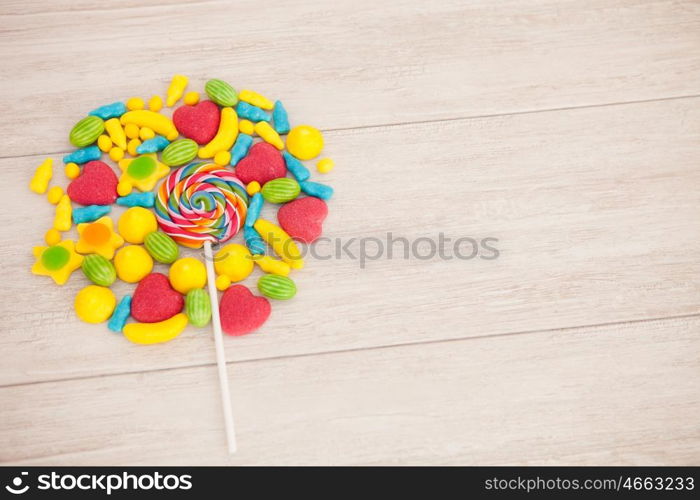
x=199 y=122
x=302 y=218
x=154 y=299
x=242 y=312
x=96 y=185
x=263 y=163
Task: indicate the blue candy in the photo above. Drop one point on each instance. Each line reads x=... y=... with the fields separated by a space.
x=114 y=110
x=297 y=168
x=158 y=143
x=240 y=148
x=280 y=119
x=84 y=155
x=252 y=113
x=90 y=213
x=253 y=241
x=254 y=208
x=120 y=315
x=315 y=189
x=147 y=200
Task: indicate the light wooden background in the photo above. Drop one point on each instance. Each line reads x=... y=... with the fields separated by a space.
x=568 y=130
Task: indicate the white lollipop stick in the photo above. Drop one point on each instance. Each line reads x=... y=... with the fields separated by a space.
x=220 y=354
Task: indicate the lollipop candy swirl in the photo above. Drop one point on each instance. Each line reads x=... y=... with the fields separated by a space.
x=201 y=202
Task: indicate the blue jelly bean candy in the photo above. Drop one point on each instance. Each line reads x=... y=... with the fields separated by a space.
x=120 y=315
x=297 y=168
x=83 y=155
x=158 y=143
x=252 y=113
x=254 y=208
x=114 y=110
x=253 y=241
x=315 y=189
x=240 y=148
x=280 y=119
x=147 y=200
x=90 y=213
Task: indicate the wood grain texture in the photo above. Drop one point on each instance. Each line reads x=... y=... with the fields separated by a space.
x=592 y=228
x=624 y=394
x=342 y=64
x=435 y=114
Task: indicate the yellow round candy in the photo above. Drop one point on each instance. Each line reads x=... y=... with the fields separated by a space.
x=116 y=153
x=124 y=188
x=136 y=223
x=234 y=261
x=95 y=304
x=104 y=143
x=132 y=145
x=135 y=103
x=131 y=130
x=305 y=142
x=223 y=282
x=146 y=133
x=191 y=98
x=133 y=263
x=155 y=103
x=222 y=158
x=253 y=187
x=325 y=165
x=54 y=194
x=52 y=237
x=246 y=127
x=187 y=274
x=72 y=170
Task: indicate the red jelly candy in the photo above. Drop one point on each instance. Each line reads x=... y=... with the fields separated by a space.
x=303 y=218
x=154 y=299
x=242 y=312
x=96 y=185
x=262 y=163
x=199 y=122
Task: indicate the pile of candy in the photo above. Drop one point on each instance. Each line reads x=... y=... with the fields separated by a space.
x=238 y=138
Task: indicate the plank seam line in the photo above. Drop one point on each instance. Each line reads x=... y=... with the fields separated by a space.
x=447 y=120
x=360 y=349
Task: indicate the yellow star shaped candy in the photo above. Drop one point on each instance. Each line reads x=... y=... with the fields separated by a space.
x=142 y=173
x=57 y=261
x=98 y=237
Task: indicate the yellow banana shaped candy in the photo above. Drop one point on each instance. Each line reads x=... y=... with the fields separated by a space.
x=225 y=136
x=280 y=242
x=268 y=134
x=160 y=124
x=116 y=132
x=155 y=333
x=256 y=99
x=272 y=266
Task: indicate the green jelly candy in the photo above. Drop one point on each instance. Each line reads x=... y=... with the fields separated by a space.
x=141 y=167
x=179 y=152
x=280 y=190
x=55 y=258
x=161 y=247
x=221 y=92
x=99 y=270
x=86 y=131
x=198 y=307
x=277 y=287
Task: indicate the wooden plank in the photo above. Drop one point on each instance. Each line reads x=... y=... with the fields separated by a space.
x=345 y=64
x=595 y=211
x=621 y=394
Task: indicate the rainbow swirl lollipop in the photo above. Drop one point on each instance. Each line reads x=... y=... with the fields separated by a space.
x=201 y=202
